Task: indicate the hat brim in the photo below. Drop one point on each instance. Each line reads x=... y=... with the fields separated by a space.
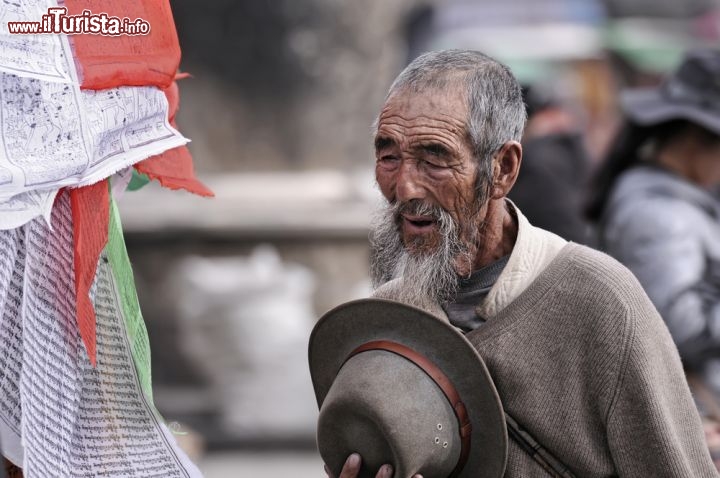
x=350 y=325
x=647 y=107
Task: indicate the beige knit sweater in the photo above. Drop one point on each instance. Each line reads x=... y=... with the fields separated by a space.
x=583 y=362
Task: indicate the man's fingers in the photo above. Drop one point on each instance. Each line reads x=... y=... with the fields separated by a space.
x=385 y=471
x=417 y=476
x=351 y=467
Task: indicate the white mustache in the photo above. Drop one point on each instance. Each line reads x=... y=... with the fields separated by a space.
x=416 y=207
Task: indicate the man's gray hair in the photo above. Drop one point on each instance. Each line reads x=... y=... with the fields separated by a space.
x=495 y=105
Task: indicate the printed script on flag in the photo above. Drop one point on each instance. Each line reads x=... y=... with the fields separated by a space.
x=56 y=135
x=103 y=421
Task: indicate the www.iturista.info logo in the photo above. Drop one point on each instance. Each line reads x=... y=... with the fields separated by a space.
x=58 y=21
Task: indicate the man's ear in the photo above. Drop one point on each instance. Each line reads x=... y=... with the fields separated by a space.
x=506 y=166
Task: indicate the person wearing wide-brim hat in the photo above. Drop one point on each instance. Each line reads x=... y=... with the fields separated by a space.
x=491 y=348
x=657 y=212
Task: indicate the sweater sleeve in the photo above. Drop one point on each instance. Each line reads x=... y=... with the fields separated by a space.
x=652 y=424
x=660 y=243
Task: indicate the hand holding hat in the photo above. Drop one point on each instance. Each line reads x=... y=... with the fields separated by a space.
x=399 y=386
x=352 y=468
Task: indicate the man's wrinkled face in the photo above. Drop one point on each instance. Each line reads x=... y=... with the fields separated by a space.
x=424 y=162
x=427 y=233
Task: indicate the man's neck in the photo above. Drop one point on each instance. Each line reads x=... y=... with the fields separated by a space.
x=498 y=235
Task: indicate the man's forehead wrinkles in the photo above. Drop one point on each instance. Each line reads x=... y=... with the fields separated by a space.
x=421 y=139
x=392 y=133
x=417 y=130
x=440 y=118
x=428 y=123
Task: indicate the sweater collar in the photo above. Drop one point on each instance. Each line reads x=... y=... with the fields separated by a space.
x=534 y=249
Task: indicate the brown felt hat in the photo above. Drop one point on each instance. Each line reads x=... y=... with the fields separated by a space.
x=400 y=386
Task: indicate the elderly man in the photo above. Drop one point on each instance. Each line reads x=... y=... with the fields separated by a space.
x=579 y=356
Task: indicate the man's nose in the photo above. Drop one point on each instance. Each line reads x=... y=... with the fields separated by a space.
x=409 y=183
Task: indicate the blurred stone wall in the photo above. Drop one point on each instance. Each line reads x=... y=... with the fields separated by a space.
x=207 y=369
x=286 y=83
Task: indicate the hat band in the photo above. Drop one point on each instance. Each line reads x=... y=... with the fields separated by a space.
x=441 y=380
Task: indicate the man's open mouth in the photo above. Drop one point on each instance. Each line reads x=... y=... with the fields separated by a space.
x=418 y=223
x=421 y=223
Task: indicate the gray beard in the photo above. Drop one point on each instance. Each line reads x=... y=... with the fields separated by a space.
x=427 y=276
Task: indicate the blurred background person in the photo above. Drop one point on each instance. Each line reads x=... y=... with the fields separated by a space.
x=550 y=187
x=657 y=214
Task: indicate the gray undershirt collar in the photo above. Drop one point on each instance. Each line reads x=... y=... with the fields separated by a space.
x=471 y=292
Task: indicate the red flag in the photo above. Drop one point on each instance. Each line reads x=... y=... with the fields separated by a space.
x=90 y=211
x=127 y=60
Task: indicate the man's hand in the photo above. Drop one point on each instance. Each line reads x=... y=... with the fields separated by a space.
x=352 y=468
